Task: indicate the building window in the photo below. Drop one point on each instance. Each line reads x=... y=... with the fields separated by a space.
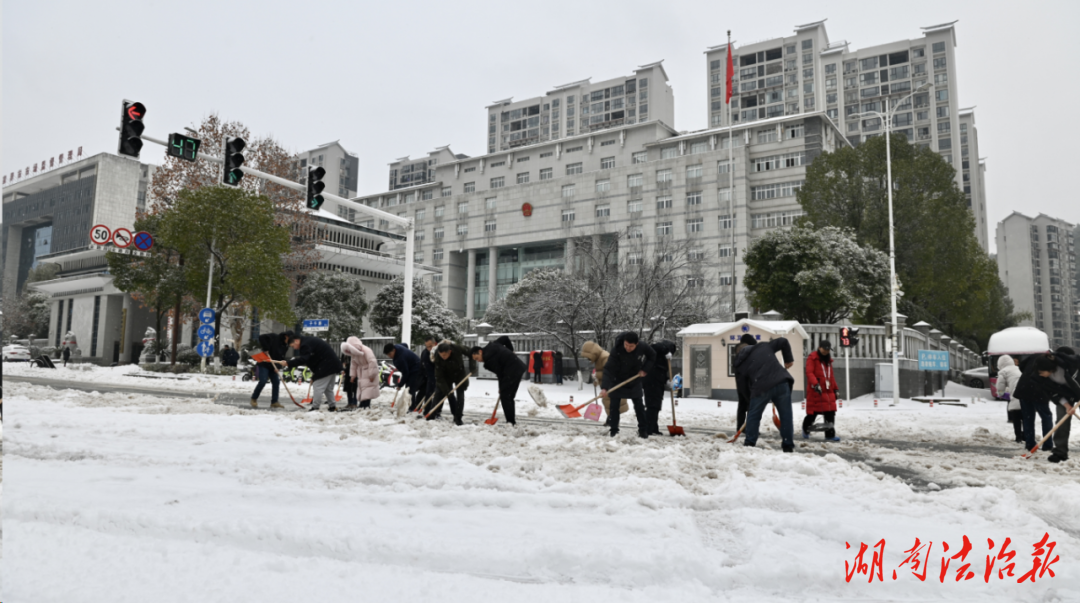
x=462 y=229
x=446 y=192
x=635 y=258
x=490 y=202
x=663 y=203
x=496 y=164
x=463 y=208
x=727 y=281
x=470 y=169
x=634 y=206
x=498 y=182
x=523 y=178
x=693 y=172
x=603 y=186
x=607 y=142
x=573 y=168
x=546 y=154
x=546 y=174
x=699 y=147
x=776 y=162
x=420 y=213
x=568 y=191
x=439 y=233
x=489 y=225
x=607 y=163
x=943 y=112
x=725 y=251
x=603 y=211
x=693 y=199
x=669 y=152
x=695 y=225
x=567 y=215
x=426 y=195
x=724 y=166
x=775 y=219
x=663 y=178
x=663 y=229
x=573 y=150
x=938 y=47
x=418 y=257
x=436 y=255
x=640 y=157
x=766 y=136
x=439 y=211
x=773 y=191
x=634 y=232
x=470 y=187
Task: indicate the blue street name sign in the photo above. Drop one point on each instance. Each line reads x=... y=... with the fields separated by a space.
x=317 y=324
x=933 y=360
x=206 y=315
x=206 y=332
x=205 y=349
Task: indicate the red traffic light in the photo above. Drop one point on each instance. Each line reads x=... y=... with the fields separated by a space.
x=136 y=111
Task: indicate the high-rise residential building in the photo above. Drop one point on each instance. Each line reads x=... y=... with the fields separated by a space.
x=341 y=167
x=808 y=72
x=1037 y=262
x=973 y=174
x=582 y=107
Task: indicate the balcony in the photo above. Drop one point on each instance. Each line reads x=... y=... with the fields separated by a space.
x=693 y=182
x=635 y=192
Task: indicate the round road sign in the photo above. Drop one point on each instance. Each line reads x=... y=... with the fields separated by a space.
x=100 y=235
x=143 y=241
x=121 y=237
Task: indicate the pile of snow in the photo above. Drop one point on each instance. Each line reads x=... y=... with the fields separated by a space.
x=146 y=498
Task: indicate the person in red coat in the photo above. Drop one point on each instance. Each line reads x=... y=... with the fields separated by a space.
x=821 y=392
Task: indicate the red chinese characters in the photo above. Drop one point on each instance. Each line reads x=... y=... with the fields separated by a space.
x=917 y=560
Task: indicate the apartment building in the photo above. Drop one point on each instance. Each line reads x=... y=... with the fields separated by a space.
x=1037 y=262
x=807 y=71
x=341 y=167
x=406 y=172
x=582 y=107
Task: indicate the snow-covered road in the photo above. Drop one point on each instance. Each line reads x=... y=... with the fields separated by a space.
x=136 y=497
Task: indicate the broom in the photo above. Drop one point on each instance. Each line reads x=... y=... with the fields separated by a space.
x=571 y=412
x=673 y=429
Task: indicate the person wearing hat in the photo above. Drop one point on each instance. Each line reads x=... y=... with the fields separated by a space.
x=822 y=391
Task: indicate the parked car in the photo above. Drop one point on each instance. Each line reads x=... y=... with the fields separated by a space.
x=978 y=378
x=15 y=353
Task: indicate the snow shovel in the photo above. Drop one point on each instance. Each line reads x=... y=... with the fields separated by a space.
x=776 y=421
x=264 y=357
x=337 y=394
x=493 y=420
x=394 y=401
x=673 y=429
x=307 y=399
x=572 y=412
x=447 y=396
x=1068 y=415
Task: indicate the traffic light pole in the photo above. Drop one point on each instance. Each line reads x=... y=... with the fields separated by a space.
x=847 y=372
x=406 y=223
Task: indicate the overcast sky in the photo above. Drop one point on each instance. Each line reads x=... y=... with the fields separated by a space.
x=395 y=79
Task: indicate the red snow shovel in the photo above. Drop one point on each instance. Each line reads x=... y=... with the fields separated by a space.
x=674 y=428
x=337 y=394
x=572 y=412
x=493 y=420
x=1068 y=415
x=308 y=399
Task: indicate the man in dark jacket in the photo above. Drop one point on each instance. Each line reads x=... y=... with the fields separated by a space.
x=324 y=363
x=427 y=357
x=557 y=370
x=450 y=369
x=508 y=368
x=742 y=389
x=768 y=382
x=656 y=384
x=628 y=358
x=229 y=357
x=1048 y=380
x=1068 y=376
x=536 y=361
x=274 y=346
x=408 y=365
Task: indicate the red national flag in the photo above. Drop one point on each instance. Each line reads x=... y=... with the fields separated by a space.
x=730 y=75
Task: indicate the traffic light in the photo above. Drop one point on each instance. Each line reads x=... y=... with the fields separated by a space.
x=315 y=187
x=849 y=337
x=183 y=147
x=131 y=129
x=232 y=173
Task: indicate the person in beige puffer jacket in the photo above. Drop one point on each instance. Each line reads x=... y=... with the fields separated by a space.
x=599 y=357
x=1008 y=377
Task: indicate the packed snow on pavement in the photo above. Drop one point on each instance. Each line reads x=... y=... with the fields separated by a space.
x=135 y=497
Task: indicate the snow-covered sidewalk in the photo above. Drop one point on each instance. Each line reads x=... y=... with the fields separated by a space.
x=143 y=498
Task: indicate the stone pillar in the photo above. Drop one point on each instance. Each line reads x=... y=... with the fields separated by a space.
x=470 y=285
x=126 y=334
x=493 y=280
x=568 y=255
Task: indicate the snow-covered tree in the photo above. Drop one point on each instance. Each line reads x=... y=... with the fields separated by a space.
x=28 y=312
x=430 y=316
x=336 y=296
x=817 y=275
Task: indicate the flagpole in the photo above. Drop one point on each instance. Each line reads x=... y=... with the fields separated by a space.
x=730 y=76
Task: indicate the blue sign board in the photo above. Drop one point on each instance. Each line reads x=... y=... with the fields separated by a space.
x=933 y=360
x=206 y=332
x=207 y=315
x=205 y=349
x=317 y=324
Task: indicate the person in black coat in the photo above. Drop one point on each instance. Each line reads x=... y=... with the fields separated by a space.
x=628 y=358
x=742 y=389
x=66 y=354
x=656 y=385
x=325 y=365
x=508 y=368
x=427 y=361
x=274 y=346
x=1048 y=380
x=536 y=361
x=229 y=357
x=768 y=382
x=412 y=371
x=450 y=369
x=558 y=368
x=505 y=342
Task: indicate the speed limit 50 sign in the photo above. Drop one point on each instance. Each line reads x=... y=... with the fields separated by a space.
x=100 y=235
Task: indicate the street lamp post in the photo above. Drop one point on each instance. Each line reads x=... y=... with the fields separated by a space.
x=886 y=121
